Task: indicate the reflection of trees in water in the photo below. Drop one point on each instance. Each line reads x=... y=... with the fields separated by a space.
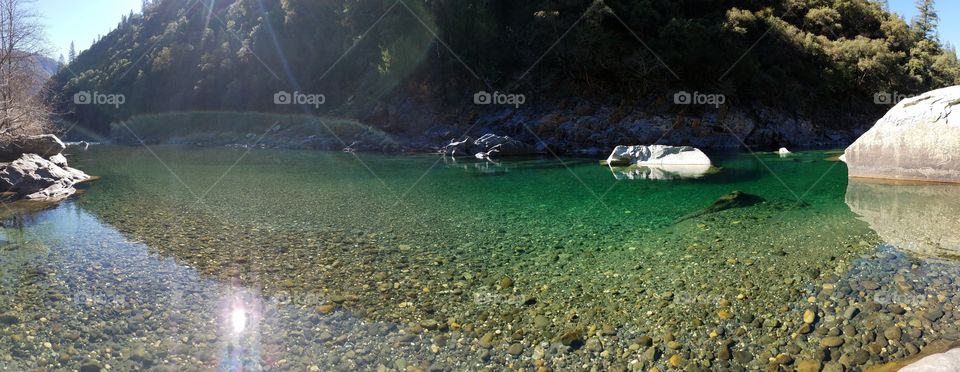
x=20 y=251
x=22 y=213
x=21 y=262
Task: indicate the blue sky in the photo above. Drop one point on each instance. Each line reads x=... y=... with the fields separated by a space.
x=82 y=20
x=948 y=10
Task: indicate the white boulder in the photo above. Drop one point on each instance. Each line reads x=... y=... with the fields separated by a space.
x=783 y=151
x=657 y=155
x=948 y=361
x=918 y=139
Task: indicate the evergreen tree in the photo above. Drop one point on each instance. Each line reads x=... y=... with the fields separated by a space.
x=72 y=53
x=925 y=24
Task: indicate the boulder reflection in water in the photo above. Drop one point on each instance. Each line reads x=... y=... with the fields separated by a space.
x=922 y=219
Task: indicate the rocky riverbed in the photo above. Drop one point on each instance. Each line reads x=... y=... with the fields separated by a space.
x=556 y=284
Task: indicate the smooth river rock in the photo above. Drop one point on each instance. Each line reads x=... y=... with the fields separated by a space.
x=919 y=139
x=657 y=155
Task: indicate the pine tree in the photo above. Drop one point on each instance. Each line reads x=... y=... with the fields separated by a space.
x=926 y=22
x=72 y=53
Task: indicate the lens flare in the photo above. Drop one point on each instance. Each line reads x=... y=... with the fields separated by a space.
x=238 y=319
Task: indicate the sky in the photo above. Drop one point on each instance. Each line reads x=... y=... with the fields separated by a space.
x=82 y=20
x=948 y=10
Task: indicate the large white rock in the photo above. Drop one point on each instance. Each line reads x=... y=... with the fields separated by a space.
x=657 y=155
x=948 y=361
x=919 y=139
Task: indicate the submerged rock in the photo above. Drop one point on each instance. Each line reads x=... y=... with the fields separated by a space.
x=46 y=145
x=34 y=178
x=736 y=199
x=657 y=155
x=916 y=140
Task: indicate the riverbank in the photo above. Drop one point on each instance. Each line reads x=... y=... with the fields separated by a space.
x=588 y=134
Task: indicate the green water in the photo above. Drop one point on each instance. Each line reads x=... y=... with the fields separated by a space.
x=203 y=258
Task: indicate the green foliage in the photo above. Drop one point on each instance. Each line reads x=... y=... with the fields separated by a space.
x=804 y=54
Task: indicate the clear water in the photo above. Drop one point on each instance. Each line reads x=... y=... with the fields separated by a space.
x=212 y=258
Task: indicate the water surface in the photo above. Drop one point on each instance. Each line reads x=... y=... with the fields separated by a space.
x=202 y=258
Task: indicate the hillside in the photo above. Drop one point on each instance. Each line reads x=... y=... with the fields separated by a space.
x=803 y=72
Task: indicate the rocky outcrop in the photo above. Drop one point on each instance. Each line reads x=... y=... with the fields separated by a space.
x=487 y=146
x=45 y=145
x=918 y=139
x=920 y=218
x=34 y=178
x=657 y=155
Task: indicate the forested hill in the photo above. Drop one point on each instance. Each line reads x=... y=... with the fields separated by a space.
x=409 y=65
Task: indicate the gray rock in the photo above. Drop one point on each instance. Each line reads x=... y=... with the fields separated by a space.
x=488 y=145
x=933 y=315
x=44 y=145
x=851 y=312
x=742 y=357
x=916 y=140
x=35 y=178
x=59 y=160
x=503 y=146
